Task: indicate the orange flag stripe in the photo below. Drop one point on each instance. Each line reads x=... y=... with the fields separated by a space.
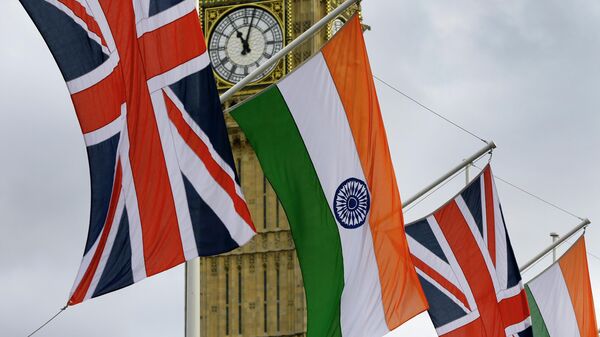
x=402 y=295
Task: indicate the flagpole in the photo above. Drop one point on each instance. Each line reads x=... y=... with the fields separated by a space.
x=584 y=223
x=192 y=298
x=281 y=54
x=489 y=147
x=192 y=285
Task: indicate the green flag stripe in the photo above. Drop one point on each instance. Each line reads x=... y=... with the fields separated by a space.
x=272 y=132
x=539 y=326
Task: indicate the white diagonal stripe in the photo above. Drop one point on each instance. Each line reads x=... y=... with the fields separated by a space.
x=460 y=276
x=93 y=77
x=466 y=213
x=433 y=261
x=182 y=210
x=211 y=192
x=108 y=246
x=105 y=132
x=138 y=262
x=200 y=133
x=442 y=289
x=185 y=69
x=80 y=22
x=165 y=17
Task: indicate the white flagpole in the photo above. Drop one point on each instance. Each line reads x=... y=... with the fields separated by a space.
x=490 y=146
x=192 y=284
x=584 y=223
x=192 y=298
x=281 y=54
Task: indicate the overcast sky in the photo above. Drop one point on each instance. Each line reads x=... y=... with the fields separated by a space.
x=525 y=74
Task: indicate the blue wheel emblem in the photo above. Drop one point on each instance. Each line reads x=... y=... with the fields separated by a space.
x=351 y=203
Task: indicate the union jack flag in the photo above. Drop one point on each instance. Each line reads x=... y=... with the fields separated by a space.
x=465 y=262
x=164 y=188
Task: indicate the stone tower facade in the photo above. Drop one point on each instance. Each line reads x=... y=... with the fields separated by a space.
x=257 y=290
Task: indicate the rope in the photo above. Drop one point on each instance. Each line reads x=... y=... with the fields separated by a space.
x=429 y=109
x=48 y=321
x=536 y=197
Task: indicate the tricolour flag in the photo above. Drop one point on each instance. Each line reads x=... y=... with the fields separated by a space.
x=320 y=139
x=560 y=298
x=164 y=189
x=466 y=265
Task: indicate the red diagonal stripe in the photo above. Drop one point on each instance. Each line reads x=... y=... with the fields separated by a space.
x=441 y=280
x=489 y=213
x=160 y=230
x=469 y=257
x=172 y=44
x=86 y=280
x=91 y=23
x=201 y=150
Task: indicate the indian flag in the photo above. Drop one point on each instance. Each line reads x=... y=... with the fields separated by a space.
x=560 y=298
x=319 y=137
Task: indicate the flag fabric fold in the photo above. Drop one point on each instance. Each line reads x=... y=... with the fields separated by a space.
x=164 y=187
x=561 y=299
x=467 y=267
x=319 y=137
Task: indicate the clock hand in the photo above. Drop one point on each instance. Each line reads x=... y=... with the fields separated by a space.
x=246 y=45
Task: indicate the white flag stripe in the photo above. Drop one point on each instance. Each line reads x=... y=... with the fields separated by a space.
x=462 y=280
x=459 y=323
x=105 y=132
x=138 y=262
x=95 y=76
x=485 y=253
x=85 y=263
x=314 y=103
x=433 y=261
x=518 y=327
x=200 y=133
x=80 y=22
x=211 y=192
x=98 y=14
x=501 y=244
x=172 y=163
x=549 y=290
x=192 y=66
x=108 y=246
x=443 y=290
x=165 y=17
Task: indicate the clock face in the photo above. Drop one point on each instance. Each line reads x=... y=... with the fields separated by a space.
x=242 y=40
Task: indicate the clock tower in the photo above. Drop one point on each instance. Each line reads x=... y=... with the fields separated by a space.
x=257 y=290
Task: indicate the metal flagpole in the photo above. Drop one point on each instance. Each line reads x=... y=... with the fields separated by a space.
x=192 y=285
x=192 y=298
x=584 y=223
x=554 y=237
x=281 y=54
x=490 y=146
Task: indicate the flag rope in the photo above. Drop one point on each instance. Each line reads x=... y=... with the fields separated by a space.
x=429 y=109
x=535 y=196
x=48 y=321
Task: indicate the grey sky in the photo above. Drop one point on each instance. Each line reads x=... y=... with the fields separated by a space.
x=522 y=73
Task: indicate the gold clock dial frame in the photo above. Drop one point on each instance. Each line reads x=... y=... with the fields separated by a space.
x=211 y=16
